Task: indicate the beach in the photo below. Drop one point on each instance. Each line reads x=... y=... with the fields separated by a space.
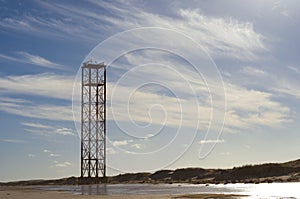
x=34 y=193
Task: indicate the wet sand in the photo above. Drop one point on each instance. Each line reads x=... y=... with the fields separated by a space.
x=32 y=193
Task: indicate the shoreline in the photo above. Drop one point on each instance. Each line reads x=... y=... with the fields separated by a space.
x=229 y=191
x=33 y=192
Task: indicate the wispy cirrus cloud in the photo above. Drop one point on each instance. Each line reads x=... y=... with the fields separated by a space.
x=121 y=142
x=210 y=141
x=220 y=36
x=36 y=125
x=48 y=85
x=253 y=71
x=57 y=28
x=47 y=130
x=17 y=141
x=288 y=90
x=54 y=155
x=264 y=111
x=44 y=84
x=51 y=154
x=294 y=69
x=111 y=151
x=64 y=131
x=52 y=131
x=25 y=57
x=246 y=107
x=225 y=36
x=137 y=146
x=38 y=111
x=57 y=164
x=30 y=155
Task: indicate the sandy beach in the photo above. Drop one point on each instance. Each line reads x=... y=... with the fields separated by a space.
x=33 y=193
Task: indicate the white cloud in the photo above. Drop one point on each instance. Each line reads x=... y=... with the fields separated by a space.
x=64 y=131
x=44 y=84
x=13 y=141
x=111 y=151
x=54 y=155
x=13 y=100
x=247 y=108
x=280 y=7
x=225 y=153
x=153 y=108
x=53 y=131
x=51 y=154
x=210 y=141
x=61 y=165
x=148 y=136
x=55 y=27
x=27 y=108
x=40 y=61
x=294 y=69
x=137 y=146
x=44 y=130
x=25 y=57
x=290 y=90
x=10 y=58
x=36 y=125
x=221 y=36
x=46 y=151
x=218 y=35
x=121 y=142
x=253 y=71
x=287 y=86
x=50 y=112
x=30 y=155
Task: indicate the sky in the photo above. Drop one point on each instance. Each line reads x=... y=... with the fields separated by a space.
x=211 y=84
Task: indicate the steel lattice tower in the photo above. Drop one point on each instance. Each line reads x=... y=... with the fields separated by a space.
x=93 y=120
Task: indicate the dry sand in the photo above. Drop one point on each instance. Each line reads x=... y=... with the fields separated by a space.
x=31 y=193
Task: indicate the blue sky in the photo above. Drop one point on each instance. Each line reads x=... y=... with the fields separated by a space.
x=210 y=84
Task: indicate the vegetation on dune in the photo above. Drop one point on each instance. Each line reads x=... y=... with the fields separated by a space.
x=271 y=172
